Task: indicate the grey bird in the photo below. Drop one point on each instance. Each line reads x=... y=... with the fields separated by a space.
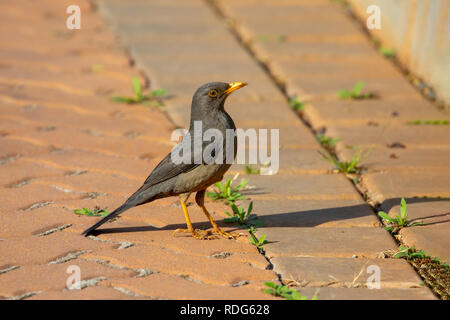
x=175 y=178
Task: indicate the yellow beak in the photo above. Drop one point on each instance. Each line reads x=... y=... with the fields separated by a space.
x=234 y=86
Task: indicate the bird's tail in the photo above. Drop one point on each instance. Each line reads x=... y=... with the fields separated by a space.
x=113 y=214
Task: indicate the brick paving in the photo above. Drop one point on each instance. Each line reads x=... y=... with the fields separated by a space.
x=314 y=63
x=65 y=146
x=306 y=212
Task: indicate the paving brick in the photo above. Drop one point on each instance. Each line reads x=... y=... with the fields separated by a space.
x=307 y=161
x=383 y=186
x=389 y=111
x=53 y=87
x=326 y=242
x=90 y=293
x=68 y=114
x=205 y=269
x=85 y=84
x=25 y=223
x=420 y=209
x=31 y=196
x=239 y=251
x=396 y=158
x=365 y=294
x=85 y=162
x=162 y=286
x=317 y=59
x=328 y=186
x=22 y=170
x=24 y=148
x=345 y=272
x=95 y=182
x=432 y=239
x=410 y=136
x=54 y=277
x=43 y=250
x=314 y=213
x=74 y=138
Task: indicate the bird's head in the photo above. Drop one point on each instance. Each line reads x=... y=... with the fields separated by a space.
x=211 y=96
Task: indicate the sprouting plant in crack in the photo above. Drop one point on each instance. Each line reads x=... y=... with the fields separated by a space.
x=242 y=216
x=404 y=252
x=347 y=166
x=429 y=122
x=355 y=93
x=411 y=253
x=226 y=192
x=433 y=271
x=96 y=68
x=250 y=170
x=394 y=224
x=326 y=141
x=96 y=212
x=285 y=292
x=264 y=38
x=296 y=104
x=153 y=98
x=258 y=243
x=387 y=52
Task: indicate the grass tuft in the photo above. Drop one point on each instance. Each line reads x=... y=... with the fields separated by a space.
x=326 y=141
x=96 y=212
x=152 y=99
x=349 y=166
x=399 y=221
x=226 y=192
x=355 y=93
x=296 y=104
x=285 y=292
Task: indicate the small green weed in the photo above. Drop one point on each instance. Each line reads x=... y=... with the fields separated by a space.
x=350 y=166
x=434 y=272
x=263 y=38
x=285 y=292
x=153 y=97
x=255 y=241
x=227 y=192
x=355 y=93
x=250 y=170
x=296 y=104
x=407 y=253
x=327 y=141
x=429 y=122
x=387 y=52
x=96 y=68
x=242 y=216
x=96 y=212
x=399 y=221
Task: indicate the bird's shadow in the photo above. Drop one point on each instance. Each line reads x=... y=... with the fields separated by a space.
x=305 y=219
x=171 y=227
x=312 y=218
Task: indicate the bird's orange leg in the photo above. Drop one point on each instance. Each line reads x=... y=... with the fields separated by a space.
x=200 y=199
x=197 y=234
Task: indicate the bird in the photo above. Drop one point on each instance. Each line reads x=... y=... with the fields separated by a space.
x=175 y=178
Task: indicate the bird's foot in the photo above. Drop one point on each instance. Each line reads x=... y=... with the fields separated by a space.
x=226 y=234
x=197 y=234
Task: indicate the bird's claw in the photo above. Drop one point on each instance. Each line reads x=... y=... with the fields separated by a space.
x=226 y=234
x=197 y=234
x=207 y=234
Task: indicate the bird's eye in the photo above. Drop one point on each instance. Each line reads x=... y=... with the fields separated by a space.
x=213 y=93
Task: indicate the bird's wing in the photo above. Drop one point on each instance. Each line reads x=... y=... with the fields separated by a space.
x=171 y=167
x=167 y=169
